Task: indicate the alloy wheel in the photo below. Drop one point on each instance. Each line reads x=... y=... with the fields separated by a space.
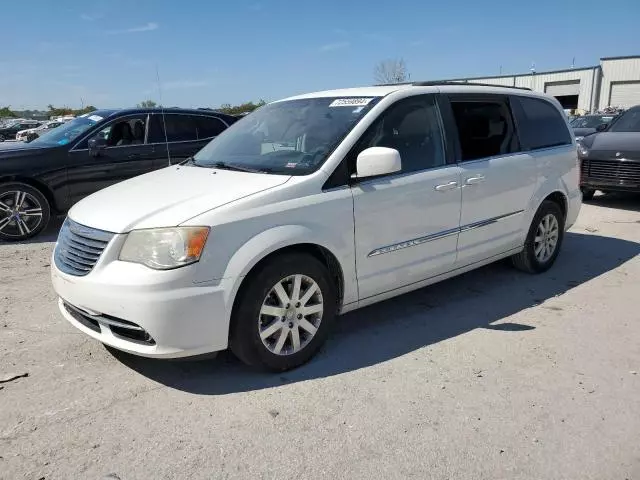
x=290 y=315
x=20 y=213
x=546 y=239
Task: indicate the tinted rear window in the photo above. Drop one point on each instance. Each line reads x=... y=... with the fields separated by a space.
x=540 y=124
x=209 y=126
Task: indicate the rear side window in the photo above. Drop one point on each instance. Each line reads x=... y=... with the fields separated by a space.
x=485 y=127
x=540 y=124
x=179 y=128
x=209 y=127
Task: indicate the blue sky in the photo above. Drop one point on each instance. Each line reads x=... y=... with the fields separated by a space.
x=213 y=52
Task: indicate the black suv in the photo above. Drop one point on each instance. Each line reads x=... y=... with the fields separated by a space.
x=8 y=132
x=48 y=175
x=610 y=159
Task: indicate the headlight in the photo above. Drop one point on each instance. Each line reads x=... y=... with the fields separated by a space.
x=579 y=138
x=582 y=150
x=165 y=248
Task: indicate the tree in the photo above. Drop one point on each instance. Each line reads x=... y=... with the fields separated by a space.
x=238 y=109
x=6 y=112
x=147 y=104
x=392 y=70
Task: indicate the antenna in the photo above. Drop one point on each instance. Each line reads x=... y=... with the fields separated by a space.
x=573 y=62
x=164 y=121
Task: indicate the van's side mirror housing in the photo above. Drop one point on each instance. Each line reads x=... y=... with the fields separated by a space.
x=376 y=161
x=96 y=144
x=602 y=127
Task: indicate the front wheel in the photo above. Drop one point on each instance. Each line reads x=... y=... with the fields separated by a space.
x=24 y=212
x=284 y=313
x=543 y=241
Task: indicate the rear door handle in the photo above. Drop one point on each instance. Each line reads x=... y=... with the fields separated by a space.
x=474 y=180
x=446 y=186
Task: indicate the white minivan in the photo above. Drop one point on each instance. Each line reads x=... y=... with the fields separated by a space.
x=311 y=207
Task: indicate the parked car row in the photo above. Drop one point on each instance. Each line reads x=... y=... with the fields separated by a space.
x=9 y=130
x=31 y=134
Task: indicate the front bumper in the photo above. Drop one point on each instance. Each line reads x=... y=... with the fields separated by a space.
x=620 y=175
x=174 y=317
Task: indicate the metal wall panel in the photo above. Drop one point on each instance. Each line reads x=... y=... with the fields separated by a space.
x=625 y=94
x=617 y=71
x=558 y=89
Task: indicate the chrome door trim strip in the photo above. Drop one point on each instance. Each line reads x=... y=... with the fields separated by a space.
x=414 y=242
x=437 y=236
x=489 y=221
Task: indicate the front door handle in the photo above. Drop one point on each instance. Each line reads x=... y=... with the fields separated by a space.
x=446 y=186
x=474 y=180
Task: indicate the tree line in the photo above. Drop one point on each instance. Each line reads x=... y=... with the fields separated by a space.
x=7 y=112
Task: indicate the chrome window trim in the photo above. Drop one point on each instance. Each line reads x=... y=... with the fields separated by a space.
x=390 y=176
x=437 y=236
x=461 y=163
x=146 y=137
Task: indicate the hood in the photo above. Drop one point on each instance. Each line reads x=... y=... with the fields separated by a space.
x=10 y=149
x=168 y=197
x=618 y=141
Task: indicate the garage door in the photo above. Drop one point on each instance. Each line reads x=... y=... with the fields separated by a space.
x=561 y=89
x=624 y=94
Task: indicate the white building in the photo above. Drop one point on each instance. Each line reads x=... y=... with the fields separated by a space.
x=614 y=82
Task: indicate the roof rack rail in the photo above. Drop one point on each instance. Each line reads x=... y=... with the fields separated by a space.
x=472 y=84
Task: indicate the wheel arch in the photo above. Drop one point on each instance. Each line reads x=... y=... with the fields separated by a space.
x=41 y=187
x=319 y=252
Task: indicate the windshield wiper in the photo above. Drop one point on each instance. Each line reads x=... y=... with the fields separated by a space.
x=238 y=168
x=188 y=160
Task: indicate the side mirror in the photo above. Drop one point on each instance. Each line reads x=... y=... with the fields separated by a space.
x=95 y=145
x=602 y=127
x=376 y=161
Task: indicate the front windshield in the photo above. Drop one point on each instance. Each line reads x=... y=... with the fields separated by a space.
x=627 y=122
x=292 y=137
x=591 y=121
x=67 y=132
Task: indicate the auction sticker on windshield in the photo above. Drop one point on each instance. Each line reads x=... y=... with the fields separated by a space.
x=350 y=102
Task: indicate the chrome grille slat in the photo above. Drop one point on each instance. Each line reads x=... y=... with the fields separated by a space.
x=79 y=248
x=621 y=172
x=85 y=248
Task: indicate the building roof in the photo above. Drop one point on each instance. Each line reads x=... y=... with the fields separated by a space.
x=628 y=57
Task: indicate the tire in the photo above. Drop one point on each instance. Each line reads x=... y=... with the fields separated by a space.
x=587 y=193
x=2 y=138
x=528 y=260
x=279 y=324
x=33 y=216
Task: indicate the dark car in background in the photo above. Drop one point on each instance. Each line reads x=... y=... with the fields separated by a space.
x=588 y=124
x=610 y=159
x=51 y=173
x=9 y=131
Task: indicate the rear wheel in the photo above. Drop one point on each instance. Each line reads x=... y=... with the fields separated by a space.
x=284 y=313
x=543 y=241
x=24 y=211
x=587 y=193
x=2 y=139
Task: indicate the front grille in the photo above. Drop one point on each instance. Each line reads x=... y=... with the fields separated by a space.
x=619 y=172
x=79 y=248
